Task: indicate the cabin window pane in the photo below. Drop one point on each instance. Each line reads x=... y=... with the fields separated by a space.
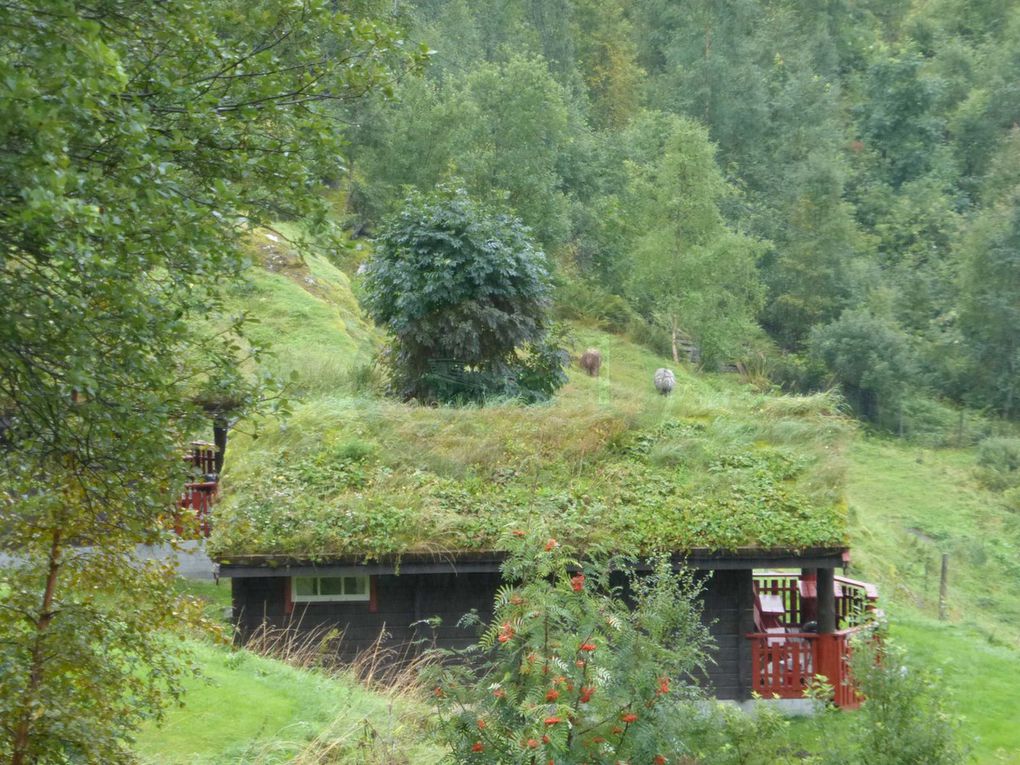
x=331 y=585
x=322 y=589
x=355 y=585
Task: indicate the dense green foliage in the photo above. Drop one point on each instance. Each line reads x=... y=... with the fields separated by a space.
x=463 y=293
x=904 y=719
x=869 y=358
x=138 y=143
x=863 y=160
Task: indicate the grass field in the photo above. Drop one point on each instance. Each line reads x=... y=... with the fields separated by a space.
x=252 y=710
x=909 y=505
x=258 y=711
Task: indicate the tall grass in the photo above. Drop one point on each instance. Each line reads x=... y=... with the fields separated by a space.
x=391 y=671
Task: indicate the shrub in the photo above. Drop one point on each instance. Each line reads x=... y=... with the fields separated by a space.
x=903 y=720
x=567 y=672
x=869 y=358
x=583 y=300
x=463 y=292
x=999 y=462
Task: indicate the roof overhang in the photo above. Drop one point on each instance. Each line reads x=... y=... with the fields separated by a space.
x=489 y=562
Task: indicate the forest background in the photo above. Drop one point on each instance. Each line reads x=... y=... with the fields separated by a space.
x=819 y=192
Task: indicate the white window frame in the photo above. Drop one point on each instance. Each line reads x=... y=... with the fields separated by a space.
x=359 y=597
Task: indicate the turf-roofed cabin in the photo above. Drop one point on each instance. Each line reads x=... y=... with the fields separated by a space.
x=366 y=515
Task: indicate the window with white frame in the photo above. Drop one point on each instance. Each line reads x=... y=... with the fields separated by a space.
x=324 y=589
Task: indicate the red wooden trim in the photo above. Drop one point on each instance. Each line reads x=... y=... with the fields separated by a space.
x=288 y=595
x=373 y=596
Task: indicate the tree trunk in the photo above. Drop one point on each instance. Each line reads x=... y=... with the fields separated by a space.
x=673 y=337
x=22 y=730
x=708 y=81
x=220 y=425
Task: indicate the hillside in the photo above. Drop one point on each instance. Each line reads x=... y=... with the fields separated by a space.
x=351 y=473
x=908 y=505
x=389 y=478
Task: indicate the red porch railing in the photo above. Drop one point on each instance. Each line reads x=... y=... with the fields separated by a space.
x=782 y=665
x=192 y=516
x=856 y=601
x=785 y=666
x=785 y=659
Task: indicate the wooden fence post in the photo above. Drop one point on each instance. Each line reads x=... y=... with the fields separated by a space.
x=943 y=587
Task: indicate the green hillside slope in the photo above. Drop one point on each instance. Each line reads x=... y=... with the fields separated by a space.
x=249 y=709
x=909 y=505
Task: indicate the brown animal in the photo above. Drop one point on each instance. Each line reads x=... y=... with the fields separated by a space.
x=591 y=361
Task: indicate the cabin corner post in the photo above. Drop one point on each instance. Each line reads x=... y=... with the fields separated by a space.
x=220 y=426
x=826 y=601
x=745 y=658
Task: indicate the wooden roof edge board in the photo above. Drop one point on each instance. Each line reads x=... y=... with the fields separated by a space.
x=272 y=566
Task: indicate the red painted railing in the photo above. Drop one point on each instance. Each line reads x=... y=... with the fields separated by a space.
x=203 y=456
x=786 y=661
x=785 y=666
x=856 y=601
x=194 y=509
x=782 y=665
x=786 y=587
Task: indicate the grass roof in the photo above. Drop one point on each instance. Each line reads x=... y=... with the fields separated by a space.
x=351 y=474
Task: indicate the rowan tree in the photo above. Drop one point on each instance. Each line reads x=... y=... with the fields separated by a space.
x=570 y=670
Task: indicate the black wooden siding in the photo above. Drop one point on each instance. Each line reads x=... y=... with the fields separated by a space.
x=404 y=600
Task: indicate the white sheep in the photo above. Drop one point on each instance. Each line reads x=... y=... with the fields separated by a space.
x=665 y=381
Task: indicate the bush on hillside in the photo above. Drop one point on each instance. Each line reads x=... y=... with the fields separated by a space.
x=904 y=719
x=870 y=359
x=999 y=462
x=586 y=301
x=464 y=294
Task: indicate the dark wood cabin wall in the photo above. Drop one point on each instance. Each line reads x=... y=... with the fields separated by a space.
x=403 y=601
x=728 y=612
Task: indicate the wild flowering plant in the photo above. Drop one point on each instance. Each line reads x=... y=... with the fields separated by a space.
x=584 y=661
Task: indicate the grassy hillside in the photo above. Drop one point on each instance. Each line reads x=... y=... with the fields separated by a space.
x=908 y=505
x=250 y=709
x=352 y=473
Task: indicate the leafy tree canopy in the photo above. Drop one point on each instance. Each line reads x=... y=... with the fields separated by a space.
x=463 y=291
x=868 y=356
x=139 y=142
x=689 y=271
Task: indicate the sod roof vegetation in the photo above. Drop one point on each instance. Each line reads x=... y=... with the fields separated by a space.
x=354 y=475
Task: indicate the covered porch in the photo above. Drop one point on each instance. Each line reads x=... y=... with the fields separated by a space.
x=804 y=625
